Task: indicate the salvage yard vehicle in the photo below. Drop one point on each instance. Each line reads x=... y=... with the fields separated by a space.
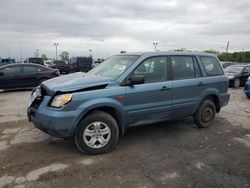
x=247 y=87
x=61 y=66
x=237 y=74
x=19 y=76
x=36 y=60
x=83 y=64
x=129 y=90
x=7 y=61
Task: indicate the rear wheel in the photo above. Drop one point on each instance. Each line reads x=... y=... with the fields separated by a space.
x=236 y=83
x=205 y=114
x=97 y=133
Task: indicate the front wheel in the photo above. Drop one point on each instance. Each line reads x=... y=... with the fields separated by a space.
x=205 y=114
x=97 y=133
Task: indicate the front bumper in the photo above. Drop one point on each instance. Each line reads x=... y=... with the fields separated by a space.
x=55 y=122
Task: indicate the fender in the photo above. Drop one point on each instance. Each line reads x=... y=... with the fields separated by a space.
x=204 y=94
x=93 y=104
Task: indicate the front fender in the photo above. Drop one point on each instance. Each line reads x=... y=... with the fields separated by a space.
x=90 y=105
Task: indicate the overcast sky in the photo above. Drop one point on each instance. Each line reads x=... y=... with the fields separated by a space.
x=107 y=27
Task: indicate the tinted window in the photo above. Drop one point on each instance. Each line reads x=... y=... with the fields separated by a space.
x=184 y=67
x=11 y=70
x=153 y=69
x=212 y=66
x=29 y=69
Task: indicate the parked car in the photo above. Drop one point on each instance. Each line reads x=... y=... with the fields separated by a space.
x=83 y=64
x=36 y=60
x=7 y=61
x=24 y=75
x=226 y=64
x=237 y=74
x=61 y=66
x=247 y=87
x=128 y=90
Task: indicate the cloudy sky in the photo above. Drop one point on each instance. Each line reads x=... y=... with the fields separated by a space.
x=107 y=27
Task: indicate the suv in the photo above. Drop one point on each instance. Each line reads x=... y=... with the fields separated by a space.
x=237 y=74
x=129 y=90
x=61 y=66
x=36 y=60
x=78 y=64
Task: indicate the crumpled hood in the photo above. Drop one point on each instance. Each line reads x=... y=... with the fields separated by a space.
x=73 y=82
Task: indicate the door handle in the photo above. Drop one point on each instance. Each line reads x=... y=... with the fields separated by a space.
x=200 y=84
x=165 y=88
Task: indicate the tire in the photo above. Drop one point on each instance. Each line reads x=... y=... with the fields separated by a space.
x=236 y=83
x=91 y=128
x=205 y=114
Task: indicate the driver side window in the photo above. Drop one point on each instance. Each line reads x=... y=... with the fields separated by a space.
x=153 y=69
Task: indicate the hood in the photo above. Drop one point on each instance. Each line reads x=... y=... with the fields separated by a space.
x=231 y=73
x=74 y=82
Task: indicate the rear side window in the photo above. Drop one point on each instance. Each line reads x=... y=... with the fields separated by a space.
x=29 y=69
x=184 y=67
x=212 y=66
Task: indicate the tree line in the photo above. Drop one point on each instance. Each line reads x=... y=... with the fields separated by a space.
x=241 y=57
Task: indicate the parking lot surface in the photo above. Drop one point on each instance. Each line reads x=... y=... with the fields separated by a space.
x=169 y=154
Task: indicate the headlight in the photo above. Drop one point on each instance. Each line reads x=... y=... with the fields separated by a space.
x=231 y=77
x=61 y=100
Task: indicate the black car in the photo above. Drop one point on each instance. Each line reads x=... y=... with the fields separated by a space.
x=83 y=64
x=237 y=74
x=36 y=60
x=24 y=75
x=61 y=66
x=226 y=64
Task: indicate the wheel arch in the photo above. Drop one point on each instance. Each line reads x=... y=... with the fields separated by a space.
x=113 y=109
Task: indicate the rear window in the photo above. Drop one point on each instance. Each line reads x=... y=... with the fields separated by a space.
x=212 y=66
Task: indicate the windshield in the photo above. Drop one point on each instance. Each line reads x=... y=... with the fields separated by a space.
x=233 y=69
x=113 y=67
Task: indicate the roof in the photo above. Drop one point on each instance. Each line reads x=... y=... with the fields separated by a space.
x=169 y=53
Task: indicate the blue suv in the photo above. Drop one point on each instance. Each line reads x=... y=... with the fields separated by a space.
x=129 y=90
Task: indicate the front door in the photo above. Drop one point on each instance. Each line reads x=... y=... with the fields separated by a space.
x=149 y=102
x=9 y=78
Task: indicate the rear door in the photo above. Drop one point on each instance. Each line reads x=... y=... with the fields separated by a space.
x=29 y=76
x=187 y=84
x=9 y=79
x=149 y=102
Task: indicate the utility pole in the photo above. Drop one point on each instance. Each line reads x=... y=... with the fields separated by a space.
x=90 y=55
x=242 y=55
x=155 y=44
x=56 y=44
x=227 y=50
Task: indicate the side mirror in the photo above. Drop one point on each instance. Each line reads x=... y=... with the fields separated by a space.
x=1 y=73
x=136 y=79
